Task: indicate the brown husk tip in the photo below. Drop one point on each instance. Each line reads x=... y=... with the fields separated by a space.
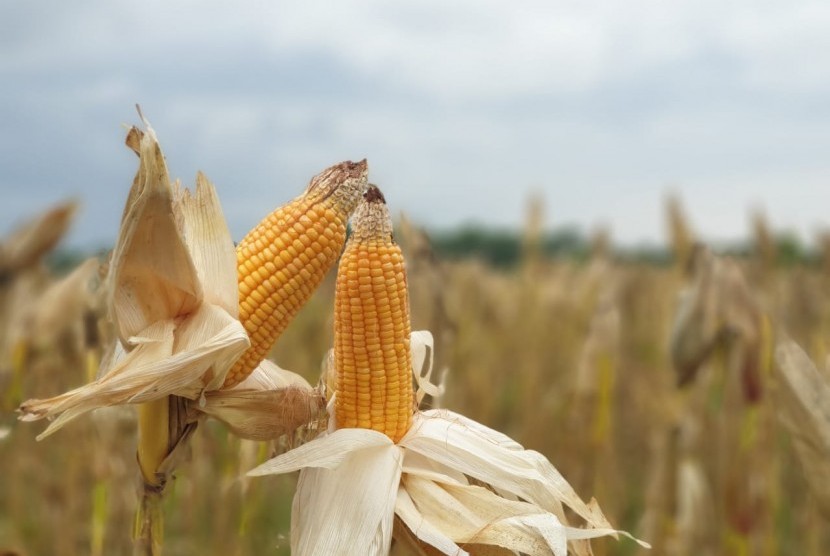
x=374 y=195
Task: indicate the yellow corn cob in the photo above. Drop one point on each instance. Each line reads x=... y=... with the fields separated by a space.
x=371 y=327
x=283 y=260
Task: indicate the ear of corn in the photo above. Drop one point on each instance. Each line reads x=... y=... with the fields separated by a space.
x=372 y=329
x=283 y=260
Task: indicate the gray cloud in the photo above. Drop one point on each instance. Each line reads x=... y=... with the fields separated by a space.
x=462 y=109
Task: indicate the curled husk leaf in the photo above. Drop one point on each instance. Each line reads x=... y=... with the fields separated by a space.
x=269 y=403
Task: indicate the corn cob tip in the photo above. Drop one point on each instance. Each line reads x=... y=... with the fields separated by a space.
x=283 y=260
x=344 y=182
x=374 y=195
x=371 y=219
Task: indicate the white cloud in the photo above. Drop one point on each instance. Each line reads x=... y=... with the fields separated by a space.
x=461 y=50
x=461 y=107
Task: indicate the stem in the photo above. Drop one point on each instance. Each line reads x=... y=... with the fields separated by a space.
x=153 y=449
x=153 y=438
x=149 y=524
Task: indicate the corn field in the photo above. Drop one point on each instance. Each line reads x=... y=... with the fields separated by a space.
x=690 y=399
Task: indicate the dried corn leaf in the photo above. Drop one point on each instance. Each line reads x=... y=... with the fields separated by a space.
x=434 y=499
x=348 y=473
x=152 y=370
x=475 y=515
x=494 y=458
x=209 y=244
x=804 y=408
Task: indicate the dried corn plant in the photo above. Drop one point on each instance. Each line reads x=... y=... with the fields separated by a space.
x=454 y=484
x=572 y=359
x=174 y=303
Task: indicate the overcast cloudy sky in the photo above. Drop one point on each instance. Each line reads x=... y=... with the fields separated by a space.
x=461 y=107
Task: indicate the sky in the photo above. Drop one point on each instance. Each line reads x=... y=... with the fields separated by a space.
x=464 y=109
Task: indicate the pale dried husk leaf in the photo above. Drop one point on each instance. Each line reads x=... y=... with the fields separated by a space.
x=435 y=499
x=348 y=473
x=804 y=408
x=418 y=529
x=467 y=514
x=269 y=403
x=270 y=376
x=209 y=243
x=520 y=481
x=422 y=347
x=153 y=368
x=152 y=275
x=495 y=459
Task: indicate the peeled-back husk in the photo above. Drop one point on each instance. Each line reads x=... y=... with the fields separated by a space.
x=269 y=403
x=172 y=281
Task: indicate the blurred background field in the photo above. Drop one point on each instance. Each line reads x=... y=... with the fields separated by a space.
x=570 y=347
x=639 y=362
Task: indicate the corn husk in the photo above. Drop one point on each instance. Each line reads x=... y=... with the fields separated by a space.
x=804 y=409
x=422 y=346
x=423 y=480
x=449 y=482
x=172 y=287
x=269 y=403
